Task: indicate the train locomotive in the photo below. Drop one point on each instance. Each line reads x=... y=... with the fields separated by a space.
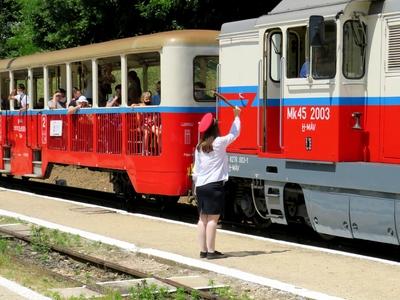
x=317 y=83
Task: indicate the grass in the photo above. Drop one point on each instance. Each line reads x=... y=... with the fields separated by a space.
x=37 y=279
x=8 y=220
x=30 y=276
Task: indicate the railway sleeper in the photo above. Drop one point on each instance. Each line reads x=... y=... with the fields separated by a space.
x=171 y=284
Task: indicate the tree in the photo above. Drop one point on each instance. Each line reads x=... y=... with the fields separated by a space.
x=7 y=19
x=37 y=25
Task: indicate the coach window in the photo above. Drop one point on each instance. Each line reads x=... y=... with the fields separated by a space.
x=82 y=78
x=275 y=46
x=21 y=77
x=324 y=56
x=4 y=90
x=295 y=51
x=109 y=76
x=57 y=78
x=147 y=68
x=204 y=77
x=38 y=88
x=354 y=47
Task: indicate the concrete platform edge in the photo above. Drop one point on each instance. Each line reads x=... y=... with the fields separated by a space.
x=21 y=290
x=177 y=258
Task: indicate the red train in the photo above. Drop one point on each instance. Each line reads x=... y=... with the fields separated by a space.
x=148 y=148
x=319 y=95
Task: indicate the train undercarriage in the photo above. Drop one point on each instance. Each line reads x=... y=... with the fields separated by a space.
x=258 y=202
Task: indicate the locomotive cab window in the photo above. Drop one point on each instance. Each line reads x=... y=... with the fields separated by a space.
x=204 y=77
x=295 y=51
x=354 y=47
x=275 y=46
x=324 y=56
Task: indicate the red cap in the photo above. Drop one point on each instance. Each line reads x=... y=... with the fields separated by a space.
x=206 y=121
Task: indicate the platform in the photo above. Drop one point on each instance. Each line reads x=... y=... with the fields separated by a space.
x=10 y=290
x=306 y=271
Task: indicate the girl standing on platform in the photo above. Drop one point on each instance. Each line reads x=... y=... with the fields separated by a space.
x=210 y=173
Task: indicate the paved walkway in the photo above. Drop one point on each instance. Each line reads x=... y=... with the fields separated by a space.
x=10 y=290
x=5 y=293
x=262 y=260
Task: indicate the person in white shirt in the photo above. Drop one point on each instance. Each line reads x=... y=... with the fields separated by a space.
x=55 y=102
x=210 y=172
x=21 y=97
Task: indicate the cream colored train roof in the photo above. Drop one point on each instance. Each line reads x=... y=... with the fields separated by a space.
x=138 y=44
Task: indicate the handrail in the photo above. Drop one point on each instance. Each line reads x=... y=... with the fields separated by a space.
x=258 y=101
x=281 y=97
x=217 y=88
x=27 y=144
x=7 y=143
x=38 y=129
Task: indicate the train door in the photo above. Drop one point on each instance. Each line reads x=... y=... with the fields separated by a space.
x=308 y=75
x=273 y=49
x=390 y=106
x=4 y=123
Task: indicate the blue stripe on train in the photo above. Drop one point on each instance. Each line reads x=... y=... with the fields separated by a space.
x=110 y=110
x=312 y=101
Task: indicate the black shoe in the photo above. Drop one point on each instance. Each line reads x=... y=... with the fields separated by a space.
x=203 y=254
x=215 y=255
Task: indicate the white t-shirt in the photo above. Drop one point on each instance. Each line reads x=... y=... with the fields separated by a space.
x=213 y=166
x=22 y=100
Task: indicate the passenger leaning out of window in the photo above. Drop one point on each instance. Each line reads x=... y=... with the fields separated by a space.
x=78 y=102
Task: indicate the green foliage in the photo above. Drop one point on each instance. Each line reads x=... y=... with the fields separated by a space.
x=3 y=246
x=7 y=19
x=4 y=257
x=22 y=43
x=30 y=26
x=180 y=294
x=148 y=292
x=40 y=240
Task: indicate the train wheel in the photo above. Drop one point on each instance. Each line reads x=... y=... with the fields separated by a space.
x=170 y=200
x=261 y=223
x=326 y=237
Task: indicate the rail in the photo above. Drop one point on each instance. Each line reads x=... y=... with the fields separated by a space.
x=111 y=266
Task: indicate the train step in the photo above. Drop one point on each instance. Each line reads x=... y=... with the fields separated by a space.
x=274 y=200
x=33 y=175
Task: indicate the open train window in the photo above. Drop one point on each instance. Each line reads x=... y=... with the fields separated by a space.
x=147 y=68
x=4 y=90
x=354 y=47
x=204 y=77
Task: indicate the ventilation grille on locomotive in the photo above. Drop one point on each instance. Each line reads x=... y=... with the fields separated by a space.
x=394 y=48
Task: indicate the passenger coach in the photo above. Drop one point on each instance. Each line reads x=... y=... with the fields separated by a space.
x=155 y=158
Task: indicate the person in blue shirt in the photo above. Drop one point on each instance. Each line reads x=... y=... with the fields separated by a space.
x=156 y=99
x=305 y=69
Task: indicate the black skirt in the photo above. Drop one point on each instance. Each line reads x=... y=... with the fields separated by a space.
x=211 y=198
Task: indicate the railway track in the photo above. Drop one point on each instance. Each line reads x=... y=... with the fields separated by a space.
x=24 y=235
x=188 y=213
